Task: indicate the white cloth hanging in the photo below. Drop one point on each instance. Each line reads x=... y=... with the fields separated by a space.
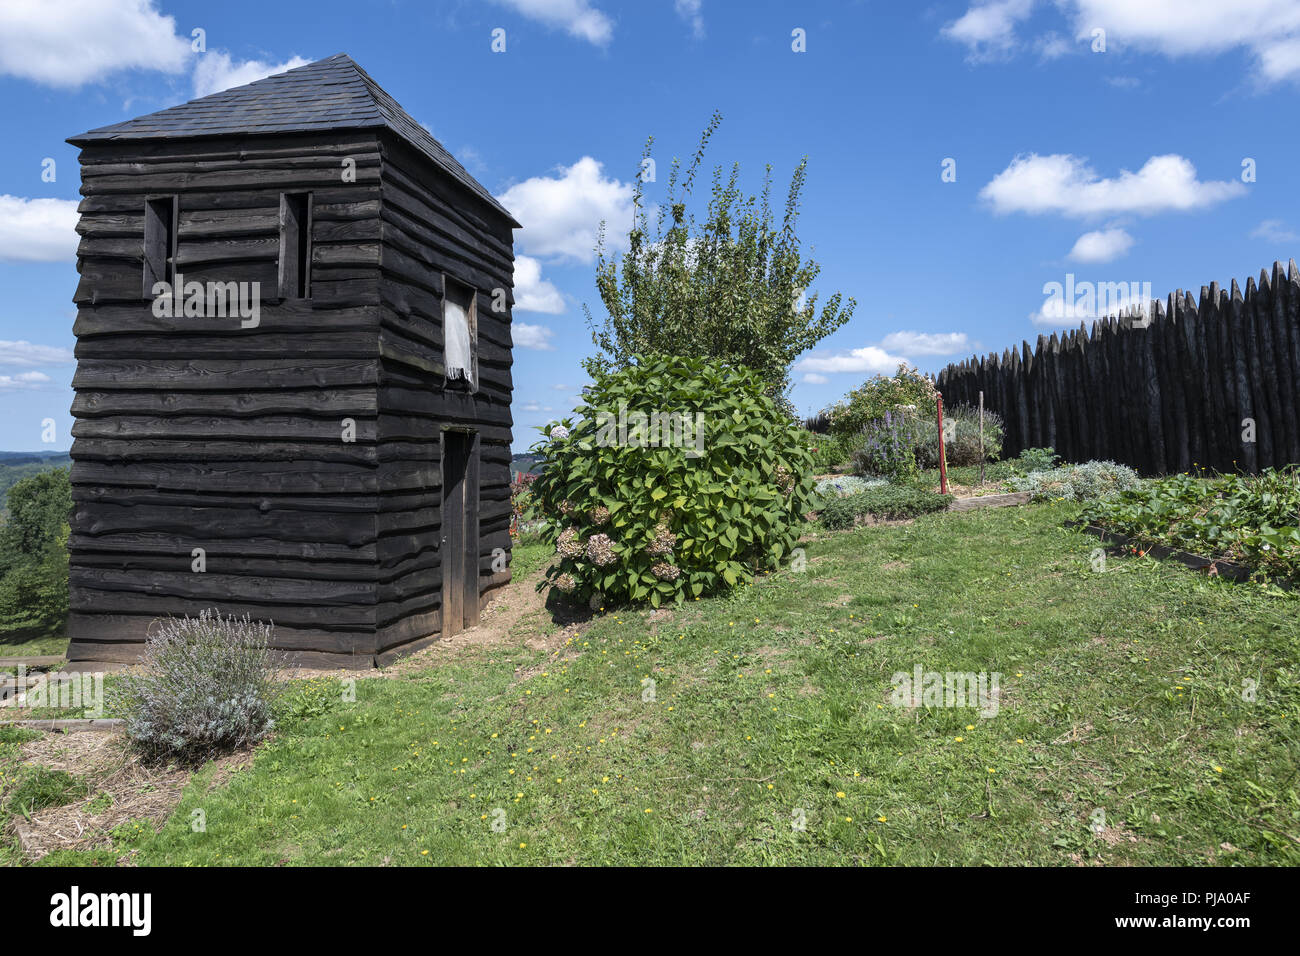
x=455 y=335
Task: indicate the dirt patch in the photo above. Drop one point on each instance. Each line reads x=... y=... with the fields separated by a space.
x=507 y=607
x=1115 y=836
x=121 y=788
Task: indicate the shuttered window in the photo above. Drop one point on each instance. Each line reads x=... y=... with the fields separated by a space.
x=159 y=242
x=295 y=245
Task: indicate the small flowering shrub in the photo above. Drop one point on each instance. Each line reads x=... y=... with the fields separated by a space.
x=888 y=448
x=679 y=477
x=1090 y=481
x=829 y=452
x=961 y=425
x=907 y=389
x=207 y=687
x=521 y=502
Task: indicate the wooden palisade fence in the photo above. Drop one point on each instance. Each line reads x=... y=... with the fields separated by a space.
x=1167 y=391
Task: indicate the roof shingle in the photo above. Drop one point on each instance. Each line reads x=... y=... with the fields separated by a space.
x=334 y=93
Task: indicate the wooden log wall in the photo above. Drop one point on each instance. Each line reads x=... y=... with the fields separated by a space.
x=430 y=229
x=1162 y=392
x=196 y=433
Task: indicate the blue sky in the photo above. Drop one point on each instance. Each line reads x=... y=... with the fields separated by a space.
x=1115 y=157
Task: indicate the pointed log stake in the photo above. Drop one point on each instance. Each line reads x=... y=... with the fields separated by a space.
x=943 y=464
x=981 y=439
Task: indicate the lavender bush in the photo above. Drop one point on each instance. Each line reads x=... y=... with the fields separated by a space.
x=888 y=448
x=207 y=687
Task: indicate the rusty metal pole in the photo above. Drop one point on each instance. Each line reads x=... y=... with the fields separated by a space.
x=943 y=458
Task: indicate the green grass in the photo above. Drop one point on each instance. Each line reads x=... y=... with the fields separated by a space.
x=44 y=645
x=1122 y=691
x=41 y=787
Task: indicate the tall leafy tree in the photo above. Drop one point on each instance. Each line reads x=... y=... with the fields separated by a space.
x=732 y=287
x=34 y=557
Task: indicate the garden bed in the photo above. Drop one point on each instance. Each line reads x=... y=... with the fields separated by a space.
x=1243 y=525
x=1215 y=567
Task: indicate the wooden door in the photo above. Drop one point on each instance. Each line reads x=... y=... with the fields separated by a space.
x=459 y=539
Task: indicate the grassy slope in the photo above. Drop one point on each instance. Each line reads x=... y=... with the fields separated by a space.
x=43 y=646
x=1125 y=688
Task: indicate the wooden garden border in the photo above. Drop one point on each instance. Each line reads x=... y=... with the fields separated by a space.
x=70 y=725
x=1229 y=570
x=975 y=502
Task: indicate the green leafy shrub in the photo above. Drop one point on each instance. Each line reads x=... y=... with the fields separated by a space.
x=962 y=442
x=888 y=502
x=887 y=448
x=1035 y=459
x=905 y=389
x=1086 y=482
x=207 y=687
x=1250 y=519
x=828 y=452
x=681 y=477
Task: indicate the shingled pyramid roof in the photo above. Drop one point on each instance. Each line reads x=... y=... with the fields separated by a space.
x=329 y=94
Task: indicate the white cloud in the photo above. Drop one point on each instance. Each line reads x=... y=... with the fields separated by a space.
x=24 y=354
x=531 y=336
x=988 y=29
x=561 y=215
x=867 y=359
x=75 y=42
x=578 y=18
x=1067 y=185
x=690 y=11
x=1267 y=30
x=893 y=351
x=37 y=230
x=1279 y=60
x=1101 y=245
x=216 y=71
x=926 y=343
x=1273 y=230
x=1053 y=46
x=23 y=380
x=532 y=292
x=1058 y=312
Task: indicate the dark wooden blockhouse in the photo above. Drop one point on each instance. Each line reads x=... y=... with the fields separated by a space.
x=293 y=374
